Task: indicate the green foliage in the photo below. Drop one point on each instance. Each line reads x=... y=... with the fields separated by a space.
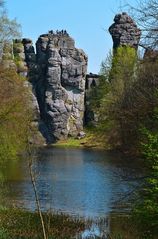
x=130 y=103
x=146 y=210
x=126 y=97
x=111 y=100
x=150 y=147
x=4 y=233
x=97 y=94
x=20 y=224
x=15 y=116
x=123 y=67
x=17 y=48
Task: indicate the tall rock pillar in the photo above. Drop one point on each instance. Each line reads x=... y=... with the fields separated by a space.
x=124 y=31
x=60 y=88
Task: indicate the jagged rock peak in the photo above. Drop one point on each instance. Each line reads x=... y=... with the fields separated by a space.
x=26 y=41
x=124 y=31
x=59 y=39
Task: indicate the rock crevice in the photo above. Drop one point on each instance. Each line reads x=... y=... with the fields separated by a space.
x=58 y=72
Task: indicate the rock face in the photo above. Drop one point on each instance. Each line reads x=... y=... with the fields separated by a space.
x=19 y=57
x=14 y=57
x=124 y=31
x=59 y=82
x=6 y=56
x=61 y=89
x=57 y=72
x=91 y=117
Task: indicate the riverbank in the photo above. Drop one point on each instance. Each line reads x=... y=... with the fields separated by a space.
x=93 y=139
x=21 y=224
x=17 y=223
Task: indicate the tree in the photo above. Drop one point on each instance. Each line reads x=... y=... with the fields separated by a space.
x=9 y=29
x=126 y=97
x=146 y=15
x=118 y=77
x=15 y=115
x=145 y=212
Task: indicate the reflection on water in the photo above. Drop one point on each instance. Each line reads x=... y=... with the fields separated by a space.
x=88 y=183
x=97 y=229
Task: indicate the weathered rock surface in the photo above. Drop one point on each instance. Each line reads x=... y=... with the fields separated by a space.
x=37 y=137
x=7 y=58
x=57 y=72
x=14 y=56
x=60 y=72
x=19 y=57
x=92 y=81
x=61 y=89
x=124 y=31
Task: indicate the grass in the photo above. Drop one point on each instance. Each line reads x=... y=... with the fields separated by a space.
x=93 y=139
x=21 y=224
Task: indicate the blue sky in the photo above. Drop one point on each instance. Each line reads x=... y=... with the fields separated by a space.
x=87 y=21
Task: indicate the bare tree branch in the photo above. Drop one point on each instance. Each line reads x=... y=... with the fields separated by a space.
x=146 y=15
x=33 y=181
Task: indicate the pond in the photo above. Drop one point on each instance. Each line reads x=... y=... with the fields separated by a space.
x=81 y=182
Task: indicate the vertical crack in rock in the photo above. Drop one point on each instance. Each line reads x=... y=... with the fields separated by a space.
x=57 y=72
x=60 y=87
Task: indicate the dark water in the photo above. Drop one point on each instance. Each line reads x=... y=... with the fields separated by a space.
x=88 y=183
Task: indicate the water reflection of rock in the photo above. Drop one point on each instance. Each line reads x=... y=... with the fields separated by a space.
x=78 y=182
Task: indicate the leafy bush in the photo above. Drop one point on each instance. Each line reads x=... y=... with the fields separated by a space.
x=4 y=233
x=146 y=211
x=15 y=115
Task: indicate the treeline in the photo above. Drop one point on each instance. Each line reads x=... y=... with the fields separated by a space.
x=126 y=99
x=126 y=102
x=15 y=114
x=127 y=105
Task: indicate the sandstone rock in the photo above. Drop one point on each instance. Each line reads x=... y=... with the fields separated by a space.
x=91 y=117
x=19 y=57
x=9 y=64
x=124 y=31
x=38 y=138
x=30 y=56
x=60 y=87
x=81 y=135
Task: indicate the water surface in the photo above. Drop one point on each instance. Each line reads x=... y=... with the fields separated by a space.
x=88 y=183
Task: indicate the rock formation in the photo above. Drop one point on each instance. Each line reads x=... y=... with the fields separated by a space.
x=19 y=57
x=14 y=57
x=58 y=72
x=91 y=117
x=124 y=31
x=7 y=57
